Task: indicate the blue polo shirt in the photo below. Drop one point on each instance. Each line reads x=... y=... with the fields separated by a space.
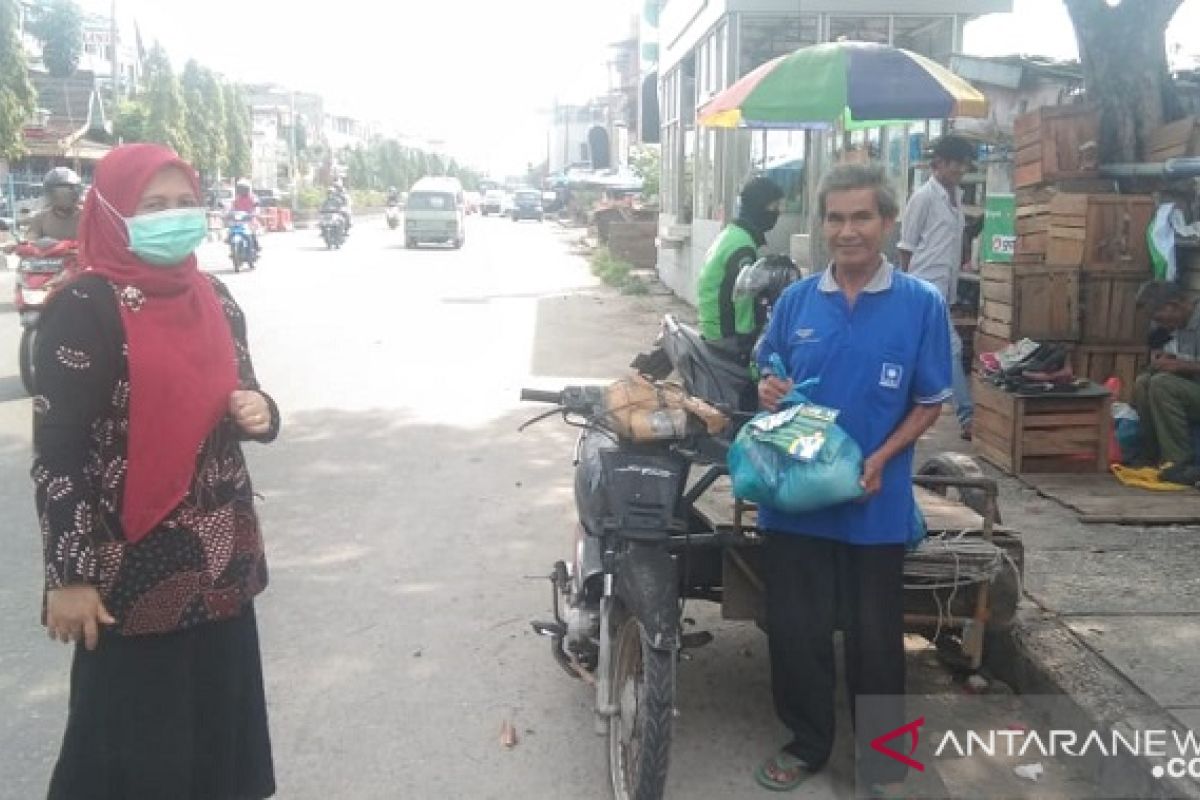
x=876 y=362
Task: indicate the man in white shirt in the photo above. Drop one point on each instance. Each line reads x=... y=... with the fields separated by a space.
x=931 y=245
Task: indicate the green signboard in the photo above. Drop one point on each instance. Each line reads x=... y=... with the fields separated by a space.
x=999 y=229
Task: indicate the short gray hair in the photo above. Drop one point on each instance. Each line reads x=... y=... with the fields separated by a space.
x=847 y=177
x=1156 y=294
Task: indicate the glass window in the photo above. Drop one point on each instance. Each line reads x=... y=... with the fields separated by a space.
x=431 y=200
x=931 y=36
x=765 y=37
x=860 y=28
x=720 y=58
x=781 y=156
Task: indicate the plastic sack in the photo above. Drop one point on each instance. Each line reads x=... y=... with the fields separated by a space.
x=797 y=459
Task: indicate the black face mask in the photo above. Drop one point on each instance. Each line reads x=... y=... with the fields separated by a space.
x=762 y=219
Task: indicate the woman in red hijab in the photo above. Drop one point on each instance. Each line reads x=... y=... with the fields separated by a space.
x=144 y=393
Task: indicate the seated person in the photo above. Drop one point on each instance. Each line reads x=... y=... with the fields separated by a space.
x=1167 y=396
x=736 y=323
x=245 y=202
x=731 y=325
x=337 y=202
x=60 y=219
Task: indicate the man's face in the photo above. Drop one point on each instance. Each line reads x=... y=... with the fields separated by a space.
x=950 y=173
x=854 y=230
x=64 y=198
x=1172 y=315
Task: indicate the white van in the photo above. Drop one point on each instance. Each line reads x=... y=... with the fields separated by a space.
x=436 y=211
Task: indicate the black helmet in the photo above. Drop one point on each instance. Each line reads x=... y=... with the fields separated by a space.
x=765 y=279
x=61 y=177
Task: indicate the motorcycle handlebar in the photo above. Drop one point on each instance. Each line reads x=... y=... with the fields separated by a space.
x=541 y=396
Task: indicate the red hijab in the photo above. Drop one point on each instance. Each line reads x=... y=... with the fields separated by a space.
x=182 y=363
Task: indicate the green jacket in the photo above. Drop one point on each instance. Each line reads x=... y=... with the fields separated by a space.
x=721 y=316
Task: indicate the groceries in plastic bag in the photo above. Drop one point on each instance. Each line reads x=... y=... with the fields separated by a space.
x=797 y=459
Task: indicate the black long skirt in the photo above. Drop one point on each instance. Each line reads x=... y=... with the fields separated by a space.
x=178 y=716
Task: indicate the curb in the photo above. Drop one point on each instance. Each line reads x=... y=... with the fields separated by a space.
x=1040 y=655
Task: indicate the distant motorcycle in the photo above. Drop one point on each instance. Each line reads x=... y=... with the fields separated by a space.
x=333 y=229
x=242 y=250
x=393 y=215
x=43 y=265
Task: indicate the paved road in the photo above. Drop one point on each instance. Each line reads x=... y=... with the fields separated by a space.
x=407 y=525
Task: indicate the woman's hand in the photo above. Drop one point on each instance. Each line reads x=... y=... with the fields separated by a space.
x=771 y=390
x=75 y=614
x=251 y=412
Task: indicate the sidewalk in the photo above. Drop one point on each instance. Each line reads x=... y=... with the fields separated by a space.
x=1111 y=616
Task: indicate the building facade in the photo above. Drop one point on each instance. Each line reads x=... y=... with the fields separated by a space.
x=707 y=45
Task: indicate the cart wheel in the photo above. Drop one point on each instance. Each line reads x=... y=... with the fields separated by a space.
x=958 y=465
x=950 y=653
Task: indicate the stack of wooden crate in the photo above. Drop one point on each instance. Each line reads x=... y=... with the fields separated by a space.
x=1081 y=253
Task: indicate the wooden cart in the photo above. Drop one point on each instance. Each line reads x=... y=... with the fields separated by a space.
x=953 y=504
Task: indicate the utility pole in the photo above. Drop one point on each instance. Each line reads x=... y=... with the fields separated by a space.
x=116 y=57
x=295 y=161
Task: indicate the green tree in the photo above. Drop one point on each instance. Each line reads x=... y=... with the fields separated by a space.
x=646 y=161
x=58 y=26
x=204 y=113
x=166 y=118
x=131 y=121
x=17 y=97
x=237 y=132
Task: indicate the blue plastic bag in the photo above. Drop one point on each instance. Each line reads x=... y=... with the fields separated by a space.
x=797 y=459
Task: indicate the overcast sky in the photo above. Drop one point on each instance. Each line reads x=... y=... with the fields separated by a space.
x=478 y=74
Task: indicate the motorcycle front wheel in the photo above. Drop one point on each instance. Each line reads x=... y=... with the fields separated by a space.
x=25 y=358
x=639 y=733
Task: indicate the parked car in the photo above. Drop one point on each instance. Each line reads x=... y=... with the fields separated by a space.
x=527 y=204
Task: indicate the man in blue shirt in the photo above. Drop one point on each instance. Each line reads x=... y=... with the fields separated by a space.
x=878 y=342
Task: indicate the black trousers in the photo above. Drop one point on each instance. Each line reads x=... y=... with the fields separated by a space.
x=814 y=586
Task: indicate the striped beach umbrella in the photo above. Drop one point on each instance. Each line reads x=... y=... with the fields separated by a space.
x=855 y=84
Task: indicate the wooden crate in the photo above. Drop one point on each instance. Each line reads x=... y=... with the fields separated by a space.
x=1038 y=302
x=1042 y=433
x=1108 y=309
x=1101 y=362
x=1174 y=140
x=1050 y=144
x=1100 y=232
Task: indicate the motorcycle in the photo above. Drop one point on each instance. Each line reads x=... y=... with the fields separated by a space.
x=43 y=265
x=242 y=250
x=655 y=530
x=333 y=229
x=392 y=213
x=617 y=605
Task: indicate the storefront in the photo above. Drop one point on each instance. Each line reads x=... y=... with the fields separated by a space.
x=707 y=45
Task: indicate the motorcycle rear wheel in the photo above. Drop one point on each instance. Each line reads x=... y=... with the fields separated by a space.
x=639 y=734
x=25 y=357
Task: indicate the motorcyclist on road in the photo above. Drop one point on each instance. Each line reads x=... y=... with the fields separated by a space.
x=336 y=202
x=60 y=219
x=245 y=202
x=393 y=196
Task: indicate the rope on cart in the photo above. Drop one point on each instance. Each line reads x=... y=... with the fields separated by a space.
x=953 y=561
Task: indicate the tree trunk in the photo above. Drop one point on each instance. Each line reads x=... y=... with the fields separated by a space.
x=1124 y=55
